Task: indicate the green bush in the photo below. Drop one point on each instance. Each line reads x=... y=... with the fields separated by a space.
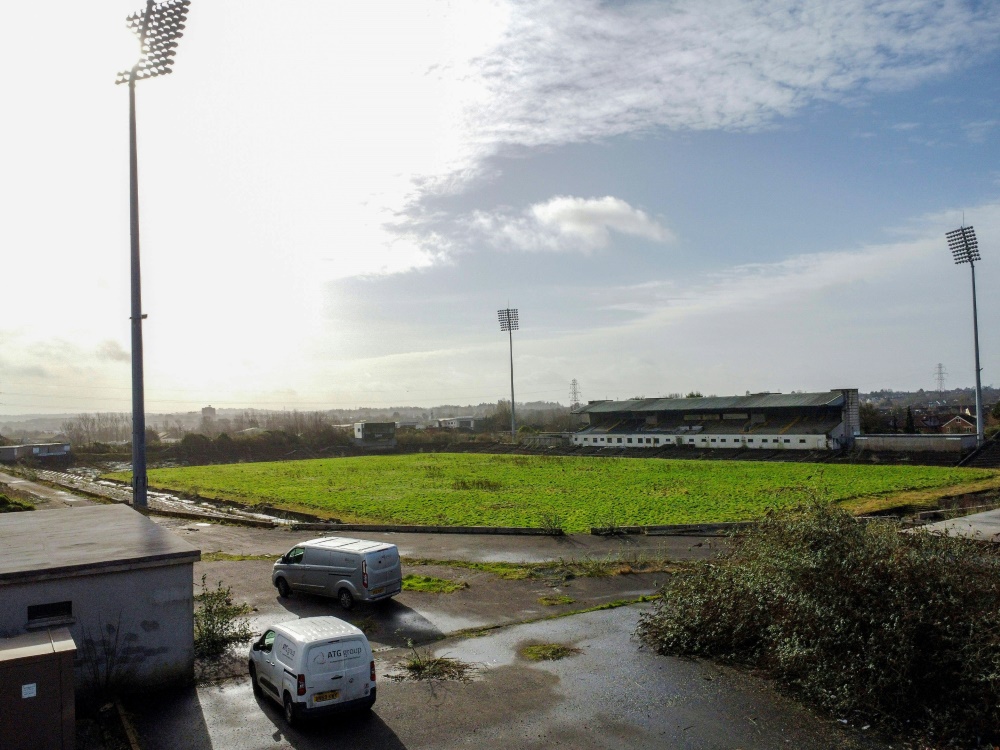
x=218 y=621
x=871 y=624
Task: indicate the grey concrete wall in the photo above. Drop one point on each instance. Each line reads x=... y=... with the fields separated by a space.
x=139 y=621
x=917 y=443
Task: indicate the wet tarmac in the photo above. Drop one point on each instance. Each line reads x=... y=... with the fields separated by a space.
x=613 y=694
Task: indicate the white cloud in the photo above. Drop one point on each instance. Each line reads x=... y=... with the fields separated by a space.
x=582 y=71
x=979 y=131
x=566 y=224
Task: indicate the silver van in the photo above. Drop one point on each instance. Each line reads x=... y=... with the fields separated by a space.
x=349 y=570
x=313 y=666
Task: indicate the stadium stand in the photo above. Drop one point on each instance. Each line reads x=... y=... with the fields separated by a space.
x=821 y=421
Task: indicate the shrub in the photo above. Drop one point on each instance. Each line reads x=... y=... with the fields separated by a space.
x=218 y=621
x=901 y=629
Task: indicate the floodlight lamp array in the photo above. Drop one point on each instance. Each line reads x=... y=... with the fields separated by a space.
x=508 y=319
x=157 y=28
x=963 y=245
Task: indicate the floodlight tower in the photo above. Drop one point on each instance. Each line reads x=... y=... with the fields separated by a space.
x=157 y=28
x=508 y=322
x=965 y=249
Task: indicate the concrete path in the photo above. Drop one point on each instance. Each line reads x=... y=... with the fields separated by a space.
x=47 y=498
x=984 y=526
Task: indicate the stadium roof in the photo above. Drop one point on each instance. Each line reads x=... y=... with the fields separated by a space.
x=716 y=403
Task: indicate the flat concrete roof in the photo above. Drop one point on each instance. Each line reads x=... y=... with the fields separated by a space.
x=83 y=541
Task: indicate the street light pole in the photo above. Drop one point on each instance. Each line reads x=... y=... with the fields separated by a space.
x=965 y=249
x=508 y=322
x=157 y=27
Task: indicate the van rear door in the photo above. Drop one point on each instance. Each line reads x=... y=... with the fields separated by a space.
x=338 y=671
x=384 y=572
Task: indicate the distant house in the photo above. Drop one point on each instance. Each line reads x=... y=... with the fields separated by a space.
x=33 y=450
x=960 y=424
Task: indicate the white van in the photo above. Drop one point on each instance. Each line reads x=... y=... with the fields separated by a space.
x=314 y=666
x=346 y=569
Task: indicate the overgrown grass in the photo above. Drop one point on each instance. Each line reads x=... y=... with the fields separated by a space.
x=899 y=629
x=563 y=570
x=431 y=585
x=227 y=557
x=573 y=493
x=548 y=651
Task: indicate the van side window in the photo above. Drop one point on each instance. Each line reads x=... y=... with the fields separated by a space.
x=295 y=556
x=267 y=641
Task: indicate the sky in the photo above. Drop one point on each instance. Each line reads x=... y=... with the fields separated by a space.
x=337 y=197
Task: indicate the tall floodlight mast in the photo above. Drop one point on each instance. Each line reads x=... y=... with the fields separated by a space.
x=508 y=322
x=965 y=249
x=157 y=27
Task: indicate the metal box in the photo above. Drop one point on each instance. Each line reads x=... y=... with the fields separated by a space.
x=36 y=691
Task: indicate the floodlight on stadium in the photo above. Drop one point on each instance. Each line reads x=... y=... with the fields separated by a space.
x=157 y=27
x=965 y=249
x=508 y=322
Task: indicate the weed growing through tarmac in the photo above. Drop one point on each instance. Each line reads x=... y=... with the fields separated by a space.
x=369 y=625
x=431 y=585
x=555 y=599
x=422 y=666
x=548 y=651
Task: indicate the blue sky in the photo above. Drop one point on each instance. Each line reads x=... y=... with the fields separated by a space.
x=337 y=197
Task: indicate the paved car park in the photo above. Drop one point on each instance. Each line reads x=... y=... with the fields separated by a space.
x=613 y=694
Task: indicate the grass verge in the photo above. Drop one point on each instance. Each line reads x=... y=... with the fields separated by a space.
x=13 y=505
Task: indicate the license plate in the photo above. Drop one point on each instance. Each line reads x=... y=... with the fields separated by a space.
x=379 y=590
x=330 y=695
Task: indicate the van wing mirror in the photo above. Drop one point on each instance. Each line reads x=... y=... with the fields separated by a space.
x=256 y=645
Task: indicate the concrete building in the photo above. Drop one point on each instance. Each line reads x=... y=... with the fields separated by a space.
x=375 y=435
x=827 y=420
x=119 y=583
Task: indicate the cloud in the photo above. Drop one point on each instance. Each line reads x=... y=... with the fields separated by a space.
x=576 y=72
x=566 y=224
x=113 y=351
x=561 y=73
x=979 y=131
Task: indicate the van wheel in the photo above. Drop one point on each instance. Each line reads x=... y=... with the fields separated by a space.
x=346 y=599
x=291 y=711
x=253 y=681
x=283 y=589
